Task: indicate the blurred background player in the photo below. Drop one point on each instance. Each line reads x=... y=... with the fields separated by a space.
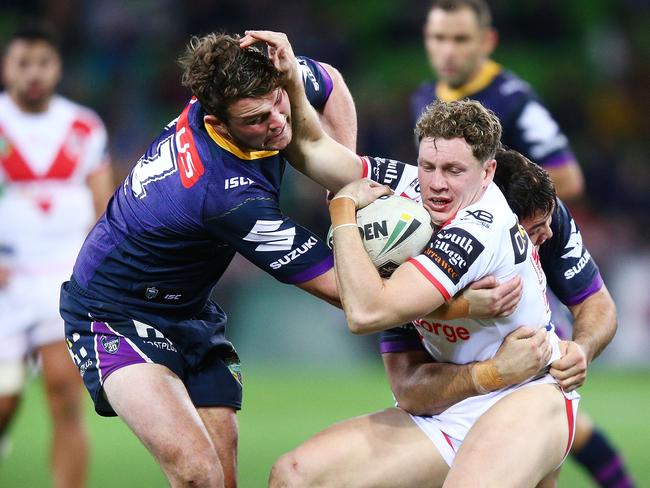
x=57 y=179
x=459 y=39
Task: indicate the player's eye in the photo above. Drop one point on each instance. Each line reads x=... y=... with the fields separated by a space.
x=257 y=120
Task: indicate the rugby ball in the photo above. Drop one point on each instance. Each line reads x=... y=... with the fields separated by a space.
x=393 y=229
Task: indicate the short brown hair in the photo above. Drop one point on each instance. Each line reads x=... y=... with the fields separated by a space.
x=219 y=72
x=466 y=119
x=479 y=7
x=528 y=188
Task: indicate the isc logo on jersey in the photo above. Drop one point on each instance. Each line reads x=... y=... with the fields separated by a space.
x=393 y=229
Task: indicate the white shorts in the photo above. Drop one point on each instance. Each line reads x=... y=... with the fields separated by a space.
x=448 y=429
x=29 y=313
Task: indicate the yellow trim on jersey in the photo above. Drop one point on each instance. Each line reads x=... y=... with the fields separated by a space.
x=488 y=72
x=233 y=148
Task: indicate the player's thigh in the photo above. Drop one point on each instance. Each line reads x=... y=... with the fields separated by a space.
x=383 y=449
x=222 y=426
x=154 y=403
x=517 y=442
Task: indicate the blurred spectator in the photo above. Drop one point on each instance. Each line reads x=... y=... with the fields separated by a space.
x=56 y=178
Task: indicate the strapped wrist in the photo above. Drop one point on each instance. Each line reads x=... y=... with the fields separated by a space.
x=486 y=377
x=343 y=210
x=457 y=308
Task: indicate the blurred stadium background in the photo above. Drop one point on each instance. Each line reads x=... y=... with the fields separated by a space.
x=588 y=59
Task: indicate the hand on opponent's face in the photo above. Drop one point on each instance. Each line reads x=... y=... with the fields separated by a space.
x=279 y=49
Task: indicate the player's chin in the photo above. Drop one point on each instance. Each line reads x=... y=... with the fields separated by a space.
x=438 y=216
x=280 y=141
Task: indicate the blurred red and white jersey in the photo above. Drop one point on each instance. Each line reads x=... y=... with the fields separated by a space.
x=46 y=208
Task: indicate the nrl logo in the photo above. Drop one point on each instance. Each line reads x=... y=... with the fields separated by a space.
x=406 y=226
x=110 y=344
x=151 y=293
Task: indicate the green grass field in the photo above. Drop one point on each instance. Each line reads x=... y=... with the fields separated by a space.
x=284 y=407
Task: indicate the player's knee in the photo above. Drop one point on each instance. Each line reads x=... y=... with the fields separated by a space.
x=290 y=471
x=192 y=467
x=65 y=400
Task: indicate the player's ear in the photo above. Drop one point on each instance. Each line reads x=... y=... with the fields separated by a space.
x=489 y=169
x=490 y=40
x=217 y=124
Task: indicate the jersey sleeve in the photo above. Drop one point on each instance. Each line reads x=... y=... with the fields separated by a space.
x=318 y=83
x=274 y=243
x=402 y=178
x=454 y=259
x=400 y=339
x=570 y=270
x=535 y=133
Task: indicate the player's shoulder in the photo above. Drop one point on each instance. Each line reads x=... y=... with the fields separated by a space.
x=510 y=84
x=562 y=225
x=80 y=114
x=489 y=215
x=425 y=87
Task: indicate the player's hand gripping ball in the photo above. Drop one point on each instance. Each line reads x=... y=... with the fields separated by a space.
x=393 y=229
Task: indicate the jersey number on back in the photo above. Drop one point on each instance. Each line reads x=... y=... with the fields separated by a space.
x=154 y=168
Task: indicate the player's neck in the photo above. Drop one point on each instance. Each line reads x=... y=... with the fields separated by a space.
x=481 y=77
x=31 y=108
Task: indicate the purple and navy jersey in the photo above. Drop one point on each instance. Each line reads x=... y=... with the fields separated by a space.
x=528 y=127
x=191 y=202
x=570 y=270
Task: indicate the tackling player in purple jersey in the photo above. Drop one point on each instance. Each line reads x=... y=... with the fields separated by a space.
x=149 y=344
x=459 y=38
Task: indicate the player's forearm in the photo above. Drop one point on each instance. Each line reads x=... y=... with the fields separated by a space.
x=358 y=282
x=424 y=387
x=314 y=153
x=595 y=323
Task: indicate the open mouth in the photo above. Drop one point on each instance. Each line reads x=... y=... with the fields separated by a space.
x=278 y=135
x=439 y=204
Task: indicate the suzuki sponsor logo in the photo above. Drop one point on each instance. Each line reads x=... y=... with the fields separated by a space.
x=574 y=246
x=575 y=250
x=287 y=258
x=271 y=237
x=579 y=266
